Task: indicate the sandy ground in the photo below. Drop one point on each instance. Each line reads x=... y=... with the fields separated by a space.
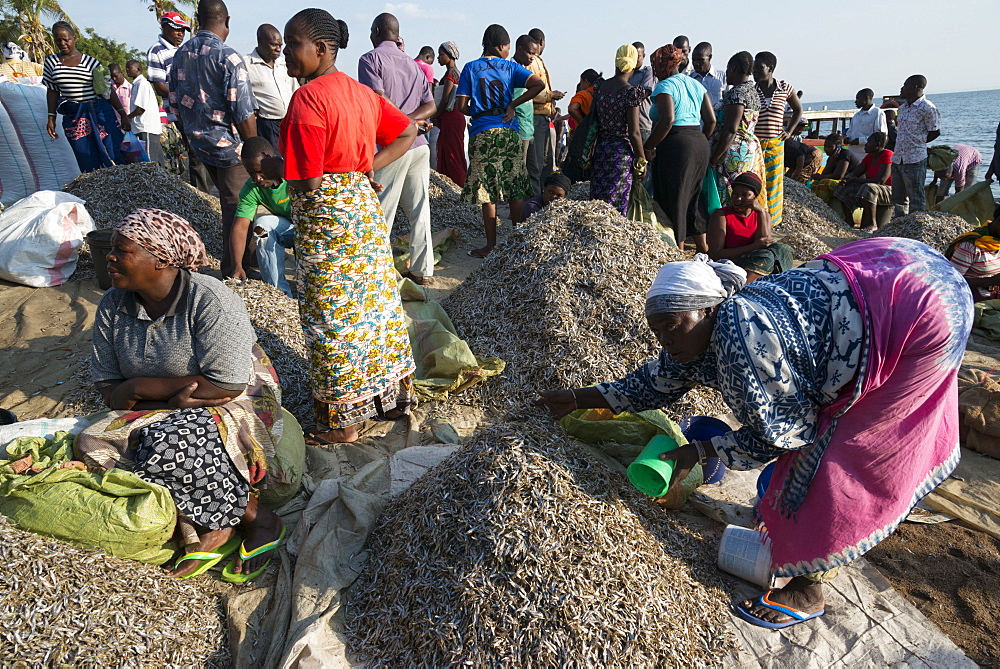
x=950 y=573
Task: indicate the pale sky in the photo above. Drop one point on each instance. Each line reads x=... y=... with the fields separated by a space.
x=829 y=50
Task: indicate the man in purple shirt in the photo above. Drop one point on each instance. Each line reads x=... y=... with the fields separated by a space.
x=389 y=72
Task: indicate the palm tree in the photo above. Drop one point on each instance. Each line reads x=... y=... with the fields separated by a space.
x=160 y=7
x=24 y=21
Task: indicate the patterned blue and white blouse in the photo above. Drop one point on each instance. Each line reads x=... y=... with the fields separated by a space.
x=781 y=348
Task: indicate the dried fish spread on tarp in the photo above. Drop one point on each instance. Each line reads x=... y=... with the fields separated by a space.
x=524 y=549
x=562 y=302
x=69 y=606
x=115 y=192
x=275 y=319
x=804 y=246
x=934 y=228
x=447 y=210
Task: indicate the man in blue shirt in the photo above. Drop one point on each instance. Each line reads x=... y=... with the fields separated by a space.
x=210 y=93
x=712 y=79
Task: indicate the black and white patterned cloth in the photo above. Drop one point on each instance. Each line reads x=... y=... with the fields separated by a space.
x=184 y=453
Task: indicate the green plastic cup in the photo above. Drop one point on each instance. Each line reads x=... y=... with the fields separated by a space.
x=649 y=474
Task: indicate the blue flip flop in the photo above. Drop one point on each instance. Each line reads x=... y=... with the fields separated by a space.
x=765 y=601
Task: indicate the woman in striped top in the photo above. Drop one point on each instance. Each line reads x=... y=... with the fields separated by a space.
x=770 y=130
x=89 y=120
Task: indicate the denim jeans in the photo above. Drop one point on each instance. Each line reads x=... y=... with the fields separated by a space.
x=271 y=249
x=908 y=187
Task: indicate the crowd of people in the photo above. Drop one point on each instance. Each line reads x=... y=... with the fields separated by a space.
x=305 y=157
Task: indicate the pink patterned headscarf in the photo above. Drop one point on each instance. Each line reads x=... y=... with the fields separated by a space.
x=167 y=236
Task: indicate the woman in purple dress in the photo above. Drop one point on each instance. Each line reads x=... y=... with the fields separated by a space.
x=618 y=153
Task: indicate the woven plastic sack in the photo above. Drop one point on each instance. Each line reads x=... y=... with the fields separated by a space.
x=40 y=238
x=285 y=469
x=974 y=204
x=623 y=437
x=445 y=363
x=113 y=510
x=643 y=209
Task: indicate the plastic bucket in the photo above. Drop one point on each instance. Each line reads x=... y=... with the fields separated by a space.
x=100 y=245
x=764 y=480
x=703 y=428
x=648 y=473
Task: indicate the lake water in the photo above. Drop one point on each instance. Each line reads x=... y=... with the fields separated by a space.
x=966 y=118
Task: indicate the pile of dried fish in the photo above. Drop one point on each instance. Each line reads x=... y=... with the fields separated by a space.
x=934 y=228
x=114 y=192
x=524 y=549
x=447 y=211
x=562 y=301
x=579 y=191
x=805 y=246
x=69 y=606
x=275 y=318
x=805 y=213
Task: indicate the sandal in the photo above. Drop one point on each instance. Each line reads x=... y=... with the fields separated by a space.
x=765 y=601
x=208 y=559
x=478 y=253
x=229 y=576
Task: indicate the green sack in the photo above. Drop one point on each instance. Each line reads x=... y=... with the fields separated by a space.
x=113 y=510
x=644 y=209
x=285 y=469
x=102 y=81
x=623 y=437
x=445 y=363
x=940 y=157
x=974 y=204
x=986 y=322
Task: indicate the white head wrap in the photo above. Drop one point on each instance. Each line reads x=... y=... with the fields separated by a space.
x=14 y=52
x=690 y=285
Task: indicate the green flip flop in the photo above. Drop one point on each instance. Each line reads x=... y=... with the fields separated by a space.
x=229 y=576
x=209 y=559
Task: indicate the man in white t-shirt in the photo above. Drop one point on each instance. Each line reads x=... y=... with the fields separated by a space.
x=144 y=112
x=868 y=120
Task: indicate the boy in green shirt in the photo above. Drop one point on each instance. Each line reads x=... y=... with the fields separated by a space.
x=272 y=232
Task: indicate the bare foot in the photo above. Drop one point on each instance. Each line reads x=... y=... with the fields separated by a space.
x=260 y=526
x=342 y=435
x=800 y=594
x=207 y=544
x=481 y=253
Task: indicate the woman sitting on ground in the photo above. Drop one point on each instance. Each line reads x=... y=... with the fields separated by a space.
x=556 y=187
x=839 y=162
x=976 y=255
x=195 y=403
x=869 y=185
x=741 y=232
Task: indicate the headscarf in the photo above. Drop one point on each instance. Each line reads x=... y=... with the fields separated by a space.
x=665 y=59
x=168 y=237
x=750 y=180
x=451 y=49
x=690 y=285
x=559 y=179
x=626 y=57
x=12 y=51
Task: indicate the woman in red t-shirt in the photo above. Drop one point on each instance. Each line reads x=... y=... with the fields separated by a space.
x=869 y=185
x=348 y=300
x=741 y=232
